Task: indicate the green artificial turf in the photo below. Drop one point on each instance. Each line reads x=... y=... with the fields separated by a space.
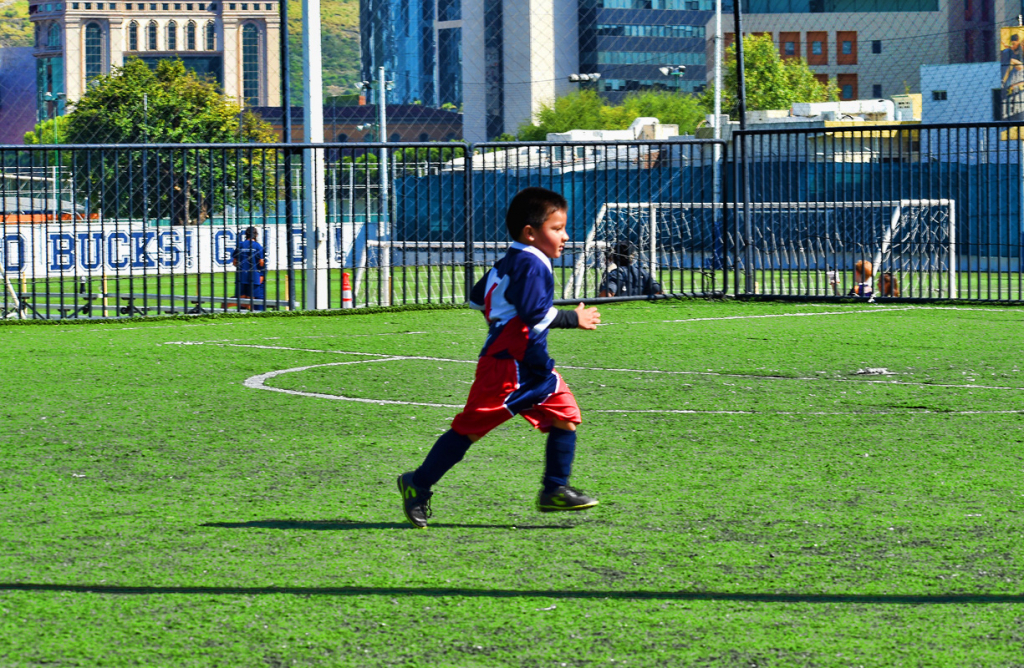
x=762 y=502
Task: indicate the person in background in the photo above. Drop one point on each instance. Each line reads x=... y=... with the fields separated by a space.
x=890 y=286
x=862 y=272
x=251 y=261
x=626 y=279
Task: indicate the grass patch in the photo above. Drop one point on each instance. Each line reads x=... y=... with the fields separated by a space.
x=762 y=502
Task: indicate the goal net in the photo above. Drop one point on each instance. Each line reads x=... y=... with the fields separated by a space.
x=913 y=239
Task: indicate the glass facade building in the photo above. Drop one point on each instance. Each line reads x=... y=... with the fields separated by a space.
x=627 y=41
x=419 y=45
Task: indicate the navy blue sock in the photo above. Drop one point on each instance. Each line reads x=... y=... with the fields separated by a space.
x=446 y=453
x=558 y=460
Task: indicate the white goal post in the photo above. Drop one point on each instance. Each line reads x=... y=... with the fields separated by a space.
x=914 y=239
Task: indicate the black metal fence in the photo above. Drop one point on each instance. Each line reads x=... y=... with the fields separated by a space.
x=124 y=230
x=935 y=209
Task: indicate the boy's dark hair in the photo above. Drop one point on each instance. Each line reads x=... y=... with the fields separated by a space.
x=532 y=206
x=251 y=233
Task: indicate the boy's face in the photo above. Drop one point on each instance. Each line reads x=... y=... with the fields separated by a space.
x=551 y=237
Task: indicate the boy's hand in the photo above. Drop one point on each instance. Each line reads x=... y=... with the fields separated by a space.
x=589 y=317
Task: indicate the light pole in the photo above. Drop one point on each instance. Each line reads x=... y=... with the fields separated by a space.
x=383 y=167
x=673 y=70
x=55 y=99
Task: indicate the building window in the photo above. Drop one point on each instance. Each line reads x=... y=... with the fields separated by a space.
x=172 y=36
x=847 y=47
x=250 y=64
x=53 y=36
x=876 y=90
x=939 y=95
x=876 y=46
x=649 y=58
x=93 y=51
x=211 y=36
x=847 y=86
x=133 y=36
x=151 y=36
x=817 y=48
x=789 y=43
x=190 y=36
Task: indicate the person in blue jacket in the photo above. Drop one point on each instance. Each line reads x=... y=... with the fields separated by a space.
x=250 y=280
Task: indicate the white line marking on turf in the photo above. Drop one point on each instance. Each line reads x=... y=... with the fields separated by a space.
x=259 y=383
x=876 y=309
x=384 y=357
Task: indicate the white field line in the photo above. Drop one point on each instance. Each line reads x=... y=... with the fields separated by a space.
x=259 y=383
x=384 y=357
x=875 y=310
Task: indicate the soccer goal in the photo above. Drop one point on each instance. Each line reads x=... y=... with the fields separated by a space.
x=913 y=239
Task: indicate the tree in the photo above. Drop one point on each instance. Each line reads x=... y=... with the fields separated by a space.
x=771 y=82
x=586 y=110
x=173 y=105
x=43 y=132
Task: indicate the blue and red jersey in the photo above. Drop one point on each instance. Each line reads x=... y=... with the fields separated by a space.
x=517 y=297
x=515 y=375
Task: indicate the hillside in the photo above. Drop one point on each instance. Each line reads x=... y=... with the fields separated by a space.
x=15 y=28
x=340 y=43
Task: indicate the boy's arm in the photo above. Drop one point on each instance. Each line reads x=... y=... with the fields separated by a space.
x=478 y=296
x=580 y=317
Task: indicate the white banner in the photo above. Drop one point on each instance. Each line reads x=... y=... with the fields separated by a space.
x=96 y=249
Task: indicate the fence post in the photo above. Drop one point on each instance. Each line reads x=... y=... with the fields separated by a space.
x=467 y=187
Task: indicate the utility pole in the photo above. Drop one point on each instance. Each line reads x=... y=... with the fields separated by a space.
x=313 y=193
x=383 y=167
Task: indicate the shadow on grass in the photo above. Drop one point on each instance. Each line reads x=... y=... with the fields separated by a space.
x=347 y=525
x=634 y=594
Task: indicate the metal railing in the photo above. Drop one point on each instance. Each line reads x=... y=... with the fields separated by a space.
x=935 y=209
x=124 y=230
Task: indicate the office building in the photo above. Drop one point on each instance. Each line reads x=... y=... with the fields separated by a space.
x=419 y=45
x=871 y=48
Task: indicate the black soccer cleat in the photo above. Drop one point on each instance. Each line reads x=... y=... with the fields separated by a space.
x=416 y=501
x=564 y=498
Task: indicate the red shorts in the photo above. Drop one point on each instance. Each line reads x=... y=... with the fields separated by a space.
x=497 y=380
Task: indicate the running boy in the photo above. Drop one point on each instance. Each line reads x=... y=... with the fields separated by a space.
x=515 y=375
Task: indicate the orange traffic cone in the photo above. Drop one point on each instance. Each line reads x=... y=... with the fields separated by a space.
x=346 y=291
